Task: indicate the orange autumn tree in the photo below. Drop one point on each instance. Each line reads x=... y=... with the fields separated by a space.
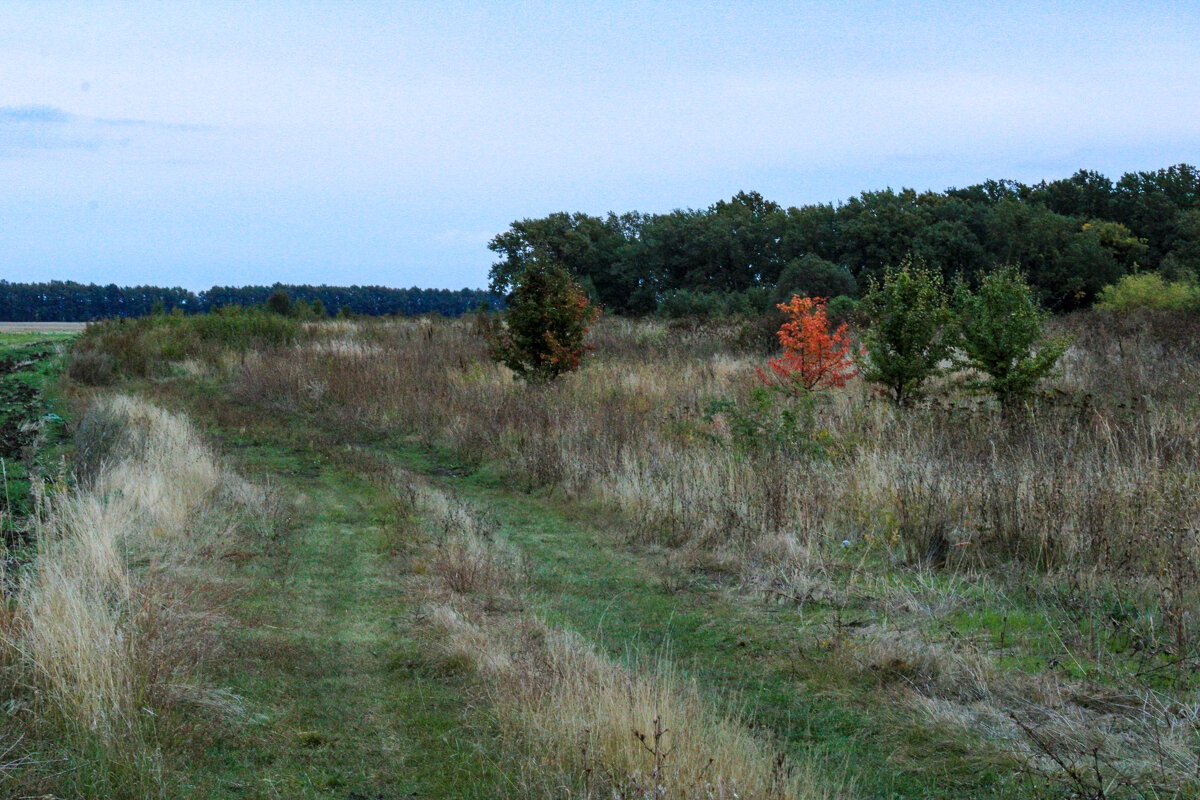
x=814 y=357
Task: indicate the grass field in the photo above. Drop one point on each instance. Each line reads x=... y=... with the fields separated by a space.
x=41 y=328
x=395 y=572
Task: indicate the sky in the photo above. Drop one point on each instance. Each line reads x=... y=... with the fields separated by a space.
x=231 y=143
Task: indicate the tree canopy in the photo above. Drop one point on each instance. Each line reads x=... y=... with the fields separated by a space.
x=67 y=301
x=1071 y=237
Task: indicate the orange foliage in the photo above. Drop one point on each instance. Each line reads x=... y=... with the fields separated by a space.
x=813 y=356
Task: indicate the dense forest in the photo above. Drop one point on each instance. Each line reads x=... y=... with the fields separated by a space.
x=1071 y=237
x=66 y=301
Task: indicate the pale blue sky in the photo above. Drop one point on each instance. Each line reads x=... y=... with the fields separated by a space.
x=230 y=143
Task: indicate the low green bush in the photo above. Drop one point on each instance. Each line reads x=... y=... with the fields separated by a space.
x=686 y=304
x=144 y=347
x=813 y=276
x=770 y=419
x=1149 y=291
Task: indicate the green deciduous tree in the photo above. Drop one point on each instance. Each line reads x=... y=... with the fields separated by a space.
x=813 y=276
x=908 y=338
x=878 y=229
x=542 y=333
x=1184 y=258
x=1000 y=330
x=1128 y=250
x=1070 y=237
x=279 y=303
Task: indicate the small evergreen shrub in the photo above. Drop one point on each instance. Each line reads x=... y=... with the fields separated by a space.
x=908 y=337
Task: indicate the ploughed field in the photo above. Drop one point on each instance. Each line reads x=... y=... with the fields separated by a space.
x=358 y=560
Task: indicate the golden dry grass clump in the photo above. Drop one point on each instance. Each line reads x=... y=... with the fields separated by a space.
x=574 y=719
x=99 y=626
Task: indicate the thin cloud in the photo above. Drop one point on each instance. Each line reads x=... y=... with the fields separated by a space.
x=32 y=128
x=33 y=115
x=150 y=124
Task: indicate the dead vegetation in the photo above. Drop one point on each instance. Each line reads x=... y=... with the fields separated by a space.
x=573 y=720
x=1030 y=575
x=108 y=626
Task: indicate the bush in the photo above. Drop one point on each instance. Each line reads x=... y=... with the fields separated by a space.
x=682 y=303
x=279 y=303
x=139 y=348
x=91 y=367
x=813 y=276
x=908 y=337
x=243 y=328
x=754 y=300
x=1000 y=331
x=1148 y=290
x=844 y=310
x=543 y=330
x=768 y=419
x=814 y=357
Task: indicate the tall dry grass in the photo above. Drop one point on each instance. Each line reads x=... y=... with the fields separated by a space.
x=99 y=634
x=1096 y=473
x=1081 y=509
x=574 y=722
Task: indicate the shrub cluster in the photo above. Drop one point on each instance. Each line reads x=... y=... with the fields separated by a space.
x=918 y=331
x=147 y=346
x=1150 y=291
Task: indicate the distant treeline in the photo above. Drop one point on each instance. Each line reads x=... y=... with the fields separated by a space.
x=67 y=301
x=1071 y=237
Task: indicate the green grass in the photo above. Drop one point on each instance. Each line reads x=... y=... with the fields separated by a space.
x=29 y=366
x=336 y=608
x=8 y=339
x=324 y=655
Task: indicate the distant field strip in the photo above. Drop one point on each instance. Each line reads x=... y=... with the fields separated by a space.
x=42 y=327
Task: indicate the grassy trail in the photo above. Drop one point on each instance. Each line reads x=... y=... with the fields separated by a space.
x=341 y=639
x=320 y=653
x=326 y=644
x=749 y=654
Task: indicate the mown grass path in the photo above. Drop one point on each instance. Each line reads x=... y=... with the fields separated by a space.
x=328 y=650
x=746 y=652
x=321 y=652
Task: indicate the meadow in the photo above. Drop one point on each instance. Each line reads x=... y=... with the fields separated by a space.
x=648 y=579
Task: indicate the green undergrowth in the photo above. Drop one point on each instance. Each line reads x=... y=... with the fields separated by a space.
x=321 y=650
x=32 y=426
x=113 y=349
